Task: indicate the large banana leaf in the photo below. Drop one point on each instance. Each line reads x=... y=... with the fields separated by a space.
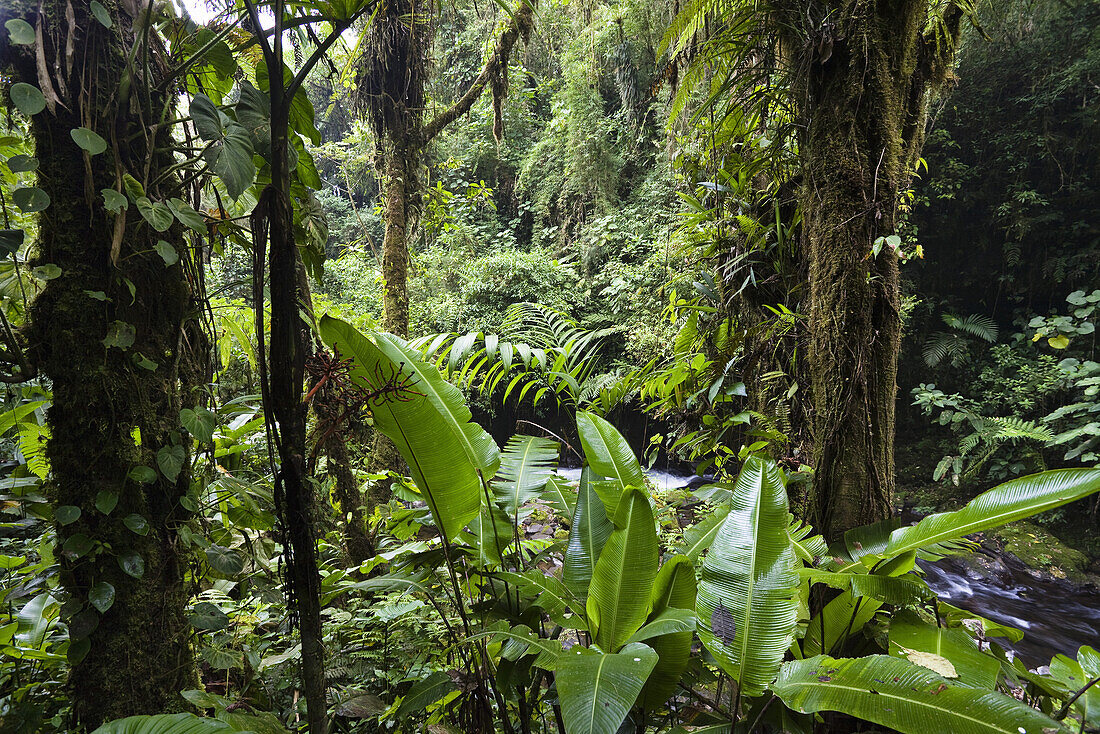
x=525 y=465
x=491 y=533
x=748 y=593
x=896 y=590
x=843 y=616
x=447 y=454
x=1010 y=501
x=622 y=580
x=608 y=452
x=915 y=640
x=588 y=533
x=557 y=494
x=674 y=589
x=164 y=724
x=597 y=689
x=902 y=696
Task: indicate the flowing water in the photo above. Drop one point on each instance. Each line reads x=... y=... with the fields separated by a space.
x=1055 y=615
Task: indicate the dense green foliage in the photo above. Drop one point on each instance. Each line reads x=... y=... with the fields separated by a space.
x=608 y=269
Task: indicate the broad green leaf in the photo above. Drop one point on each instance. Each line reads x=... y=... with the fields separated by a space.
x=142 y=475
x=20 y=32
x=27 y=99
x=35 y=620
x=622 y=580
x=674 y=591
x=106 y=501
x=167 y=253
x=842 y=617
x=30 y=199
x=748 y=593
x=447 y=454
x=208 y=617
x=904 y=697
x=597 y=690
x=186 y=215
x=88 y=140
x=1075 y=675
x=491 y=532
x=102 y=596
x=899 y=591
x=199 y=422
x=66 y=514
x=699 y=536
x=136 y=524
x=132 y=563
x=909 y=636
x=225 y=561
x=113 y=201
x=1010 y=501
x=608 y=452
x=164 y=724
x=230 y=152
x=559 y=496
x=10 y=242
x=550 y=594
x=121 y=335
x=588 y=532
x=157 y=214
x=101 y=14
x=525 y=465
x=22 y=163
x=170 y=459
x=426 y=692
x=46 y=272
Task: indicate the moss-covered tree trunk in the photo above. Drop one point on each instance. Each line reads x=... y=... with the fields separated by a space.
x=863 y=86
x=108 y=335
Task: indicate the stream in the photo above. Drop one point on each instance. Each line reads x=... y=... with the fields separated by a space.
x=1056 y=616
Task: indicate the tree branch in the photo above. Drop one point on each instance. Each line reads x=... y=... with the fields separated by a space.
x=519 y=24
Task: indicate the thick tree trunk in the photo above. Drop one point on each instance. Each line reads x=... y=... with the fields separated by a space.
x=864 y=94
x=115 y=404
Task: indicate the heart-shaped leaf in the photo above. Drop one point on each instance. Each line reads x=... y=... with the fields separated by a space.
x=21 y=163
x=207 y=616
x=136 y=523
x=88 y=140
x=132 y=564
x=167 y=253
x=106 y=502
x=27 y=99
x=113 y=201
x=170 y=460
x=20 y=32
x=66 y=514
x=30 y=199
x=158 y=215
x=102 y=596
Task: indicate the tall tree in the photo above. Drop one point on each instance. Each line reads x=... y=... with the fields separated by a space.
x=109 y=332
x=862 y=81
x=856 y=79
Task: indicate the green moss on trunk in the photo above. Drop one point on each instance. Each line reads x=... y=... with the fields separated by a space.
x=110 y=414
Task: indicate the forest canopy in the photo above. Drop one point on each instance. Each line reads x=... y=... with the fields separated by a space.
x=573 y=366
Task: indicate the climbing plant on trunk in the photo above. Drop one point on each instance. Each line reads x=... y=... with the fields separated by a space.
x=857 y=77
x=112 y=332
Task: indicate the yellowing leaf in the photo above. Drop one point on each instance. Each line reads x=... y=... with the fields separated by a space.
x=1058 y=342
x=933 y=662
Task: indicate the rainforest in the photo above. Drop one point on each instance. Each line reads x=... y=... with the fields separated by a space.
x=549 y=366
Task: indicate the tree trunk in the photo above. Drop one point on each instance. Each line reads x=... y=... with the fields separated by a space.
x=115 y=404
x=289 y=344
x=400 y=159
x=864 y=96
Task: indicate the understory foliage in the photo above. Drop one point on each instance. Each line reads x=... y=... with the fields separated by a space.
x=609 y=272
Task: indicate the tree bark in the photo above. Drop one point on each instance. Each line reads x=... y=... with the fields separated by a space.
x=115 y=405
x=863 y=91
